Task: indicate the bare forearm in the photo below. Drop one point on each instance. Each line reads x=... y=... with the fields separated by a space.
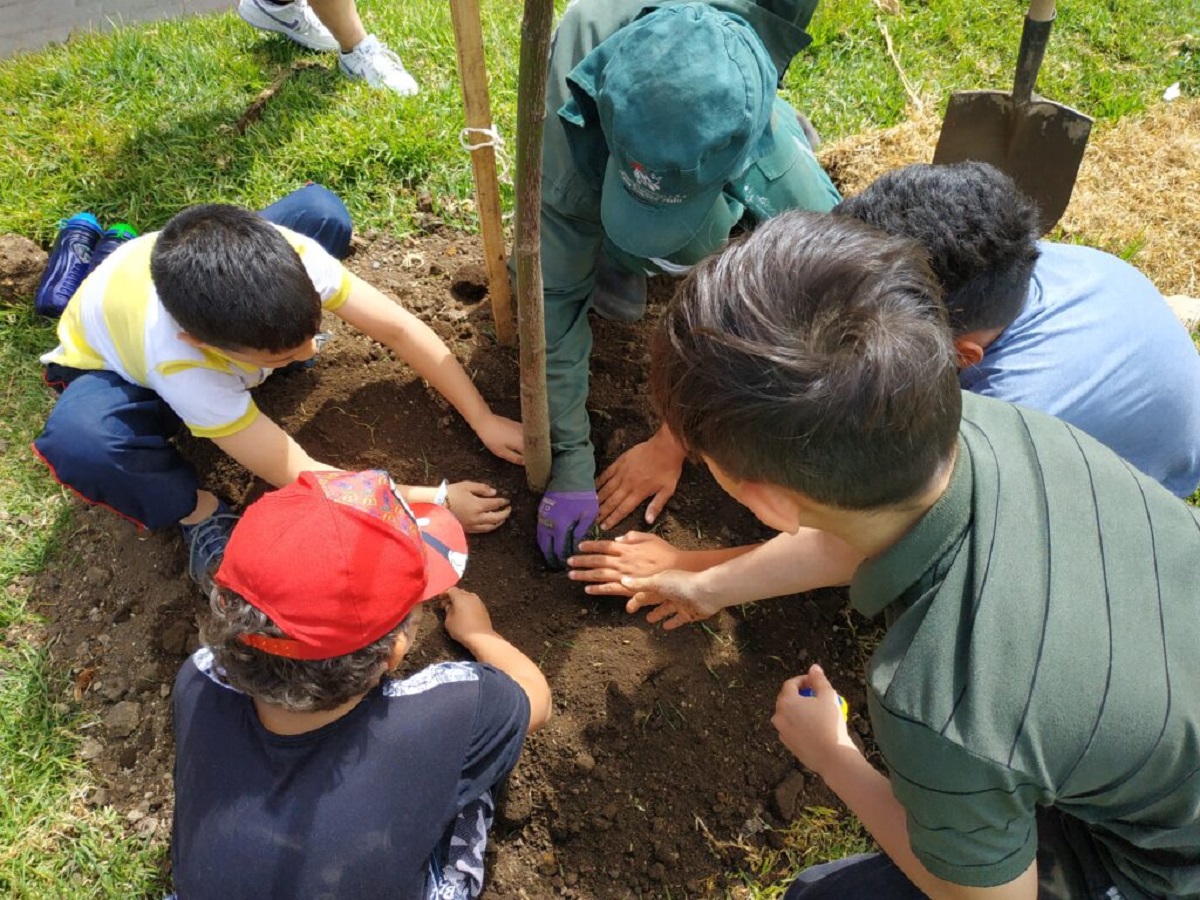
x=370 y=311
x=418 y=494
x=786 y=564
x=494 y=650
x=869 y=796
x=699 y=560
x=267 y=451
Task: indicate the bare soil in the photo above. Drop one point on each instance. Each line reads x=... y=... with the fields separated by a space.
x=660 y=757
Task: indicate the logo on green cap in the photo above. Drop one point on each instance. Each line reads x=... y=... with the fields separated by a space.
x=646 y=185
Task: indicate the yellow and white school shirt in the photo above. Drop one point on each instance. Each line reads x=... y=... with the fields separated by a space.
x=116 y=322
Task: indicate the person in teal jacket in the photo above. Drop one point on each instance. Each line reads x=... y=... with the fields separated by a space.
x=664 y=132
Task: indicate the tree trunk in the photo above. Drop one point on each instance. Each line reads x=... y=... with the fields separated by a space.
x=531 y=116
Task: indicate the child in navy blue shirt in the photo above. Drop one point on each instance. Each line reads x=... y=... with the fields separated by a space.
x=302 y=768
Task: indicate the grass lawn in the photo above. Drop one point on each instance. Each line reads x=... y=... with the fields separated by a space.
x=138 y=123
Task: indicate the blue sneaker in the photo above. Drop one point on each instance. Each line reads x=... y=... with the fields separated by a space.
x=113 y=238
x=206 y=541
x=68 y=264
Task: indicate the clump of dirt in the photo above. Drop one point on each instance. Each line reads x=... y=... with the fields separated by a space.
x=660 y=767
x=21 y=265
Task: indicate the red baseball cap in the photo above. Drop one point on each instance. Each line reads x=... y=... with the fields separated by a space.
x=337 y=560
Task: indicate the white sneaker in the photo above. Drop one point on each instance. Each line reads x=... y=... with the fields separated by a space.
x=378 y=66
x=294 y=20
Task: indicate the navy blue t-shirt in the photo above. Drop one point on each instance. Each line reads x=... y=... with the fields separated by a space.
x=354 y=809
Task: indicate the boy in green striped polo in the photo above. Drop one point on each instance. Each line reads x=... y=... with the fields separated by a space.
x=1037 y=695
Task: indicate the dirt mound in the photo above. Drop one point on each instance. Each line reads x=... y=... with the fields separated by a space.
x=21 y=265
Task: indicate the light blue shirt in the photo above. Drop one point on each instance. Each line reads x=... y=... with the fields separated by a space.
x=1097 y=346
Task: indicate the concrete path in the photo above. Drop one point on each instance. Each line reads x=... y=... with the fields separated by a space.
x=32 y=24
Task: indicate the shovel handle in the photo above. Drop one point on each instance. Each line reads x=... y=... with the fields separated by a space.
x=1041 y=10
x=1033 y=47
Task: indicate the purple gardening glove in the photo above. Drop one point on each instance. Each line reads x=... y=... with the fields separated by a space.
x=564 y=518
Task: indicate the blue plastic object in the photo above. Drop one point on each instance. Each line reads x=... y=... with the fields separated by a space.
x=842 y=704
x=68 y=263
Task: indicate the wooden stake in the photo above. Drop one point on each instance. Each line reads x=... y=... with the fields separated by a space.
x=468 y=40
x=531 y=117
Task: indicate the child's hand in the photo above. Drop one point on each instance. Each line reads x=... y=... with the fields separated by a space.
x=476 y=506
x=504 y=437
x=811 y=727
x=676 y=597
x=604 y=563
x=649 y=469
x=466 y=616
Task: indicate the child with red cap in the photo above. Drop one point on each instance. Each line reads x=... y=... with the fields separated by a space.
x=303 y=768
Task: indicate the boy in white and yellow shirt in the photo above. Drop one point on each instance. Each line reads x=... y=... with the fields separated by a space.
x=177 y=326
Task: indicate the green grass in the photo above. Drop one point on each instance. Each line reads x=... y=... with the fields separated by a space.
x=1108 y=59
x=817 y=835
x=135 y=124
x=139 y=123
x=51 y=844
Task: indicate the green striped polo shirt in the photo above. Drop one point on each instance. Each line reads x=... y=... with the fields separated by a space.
x=1043 y=652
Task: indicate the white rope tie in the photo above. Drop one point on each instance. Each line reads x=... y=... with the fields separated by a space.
x=493 y=140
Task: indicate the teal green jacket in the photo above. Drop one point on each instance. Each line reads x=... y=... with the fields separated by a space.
x=786 y=176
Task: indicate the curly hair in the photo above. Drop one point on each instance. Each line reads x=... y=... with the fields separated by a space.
x=299 y=685
x=979 y=231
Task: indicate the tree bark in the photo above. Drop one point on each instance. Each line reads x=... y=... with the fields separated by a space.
x=531 y=117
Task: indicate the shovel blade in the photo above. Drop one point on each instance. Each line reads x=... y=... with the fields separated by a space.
x=1039 y=145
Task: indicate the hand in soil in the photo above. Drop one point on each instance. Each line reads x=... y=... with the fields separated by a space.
x=605 y=563
x=503 y=437
x=812 y=728
x=676 y=598
x=477 y=507
x=466 y=616
x=649 y=469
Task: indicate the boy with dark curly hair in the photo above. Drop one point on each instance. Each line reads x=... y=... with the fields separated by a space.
x=303 y=767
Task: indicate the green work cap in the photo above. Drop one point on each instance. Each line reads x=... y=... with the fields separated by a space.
x=684 y=97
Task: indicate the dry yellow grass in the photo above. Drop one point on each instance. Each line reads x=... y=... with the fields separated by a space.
x=1138 y=188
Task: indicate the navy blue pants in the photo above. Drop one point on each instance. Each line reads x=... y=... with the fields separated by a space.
x=868 y=876
x=315 y=212
x=1069 y=868
x=112 y=442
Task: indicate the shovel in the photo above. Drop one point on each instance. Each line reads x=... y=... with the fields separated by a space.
x=1037 y=142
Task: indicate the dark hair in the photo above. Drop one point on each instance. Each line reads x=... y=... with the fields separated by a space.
x=813 y=354
x=979 y=230
x=300 y=685
x=231 y=279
